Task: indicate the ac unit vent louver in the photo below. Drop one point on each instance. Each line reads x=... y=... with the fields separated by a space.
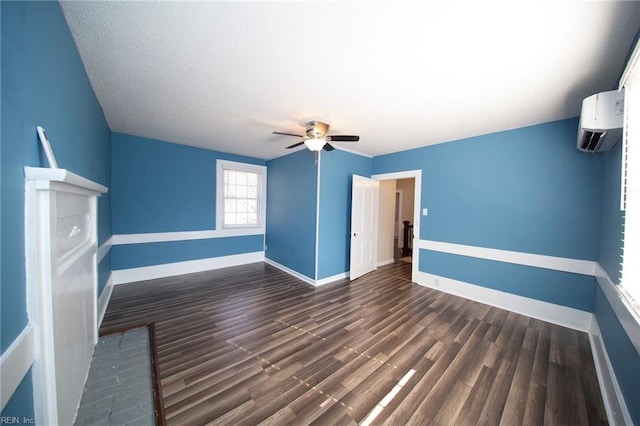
x=591 y=140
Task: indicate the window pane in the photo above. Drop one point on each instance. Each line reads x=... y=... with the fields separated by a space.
x=252 y=192
x=230 y=206
x=252 y=179
x=252 y=218
x=241 y=219
x=230 y=177
x=241 y=178
x=252 y=206
x=229 y=218
x=241 y=191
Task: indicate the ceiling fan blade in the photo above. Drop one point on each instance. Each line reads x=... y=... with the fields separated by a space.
x=295 y=144
x=327 y=147
x=287 y=134
x=343 y=138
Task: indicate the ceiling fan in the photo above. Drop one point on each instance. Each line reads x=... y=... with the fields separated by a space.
x=316 y=138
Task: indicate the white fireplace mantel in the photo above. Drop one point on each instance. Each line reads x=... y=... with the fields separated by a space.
x=61 y=272
x=44 y=175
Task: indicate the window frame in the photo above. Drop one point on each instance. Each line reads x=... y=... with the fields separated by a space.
x=261 y=171
x=630 y=83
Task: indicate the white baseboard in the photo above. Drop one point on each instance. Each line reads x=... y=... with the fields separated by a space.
x=614 y=403
x=332 y=278
x=103 y=300
x=550 y=312
x=290 y=271
x=305 y=278
x=16 y=362
x=385 y=262
x=124 y=276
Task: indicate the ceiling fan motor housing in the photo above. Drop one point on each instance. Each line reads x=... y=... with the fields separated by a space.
x=316 y=129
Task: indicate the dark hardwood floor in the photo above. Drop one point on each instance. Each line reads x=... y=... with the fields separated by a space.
x=251 y=344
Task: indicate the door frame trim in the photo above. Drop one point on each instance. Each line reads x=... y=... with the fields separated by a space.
x=417 y=206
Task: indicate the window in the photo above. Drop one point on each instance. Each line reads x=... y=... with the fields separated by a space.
x=630 y=202
x=241 y=195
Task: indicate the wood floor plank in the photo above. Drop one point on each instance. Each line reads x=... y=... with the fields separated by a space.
x=252 y=345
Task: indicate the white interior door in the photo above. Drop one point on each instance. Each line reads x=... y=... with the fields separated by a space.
x=364 y=225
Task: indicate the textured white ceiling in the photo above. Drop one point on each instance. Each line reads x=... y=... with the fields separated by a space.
x=224 y=75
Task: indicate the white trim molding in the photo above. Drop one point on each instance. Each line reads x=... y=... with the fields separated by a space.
x=316 y=257
x=103 y=300
x=124 y=276
x=626 y=315
x=306 y=279
x=16 y=362
x=417 y=208
x=104 y=248
x=614 y=403
x=261 y=171
x=576 y=266
x=545 y=311
x=290 y=271
x=332 y=278
x=162 y=237
x=45 y=176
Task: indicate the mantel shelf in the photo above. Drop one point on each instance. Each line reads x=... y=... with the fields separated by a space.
x=64 y=176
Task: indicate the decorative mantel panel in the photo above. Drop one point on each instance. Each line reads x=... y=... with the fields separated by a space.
x=61 y=246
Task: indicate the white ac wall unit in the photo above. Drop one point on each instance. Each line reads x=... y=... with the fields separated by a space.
x=601 y=121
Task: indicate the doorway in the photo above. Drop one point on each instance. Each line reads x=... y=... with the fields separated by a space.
x=399 y=203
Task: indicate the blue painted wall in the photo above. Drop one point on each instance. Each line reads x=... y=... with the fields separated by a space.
x=43 y=83
x=148 y=254
x=527 y=190
x=336 y=171
x=164 y=187
x=21 y=403
x=622 y=354
x=159 y=186
x=291 y=211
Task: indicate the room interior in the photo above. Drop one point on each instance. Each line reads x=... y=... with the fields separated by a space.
x=145 y=100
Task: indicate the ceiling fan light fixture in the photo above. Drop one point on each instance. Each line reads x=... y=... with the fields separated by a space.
x=315 y=144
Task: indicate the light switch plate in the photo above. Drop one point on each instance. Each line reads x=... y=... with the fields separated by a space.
x=425 y=211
